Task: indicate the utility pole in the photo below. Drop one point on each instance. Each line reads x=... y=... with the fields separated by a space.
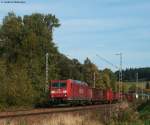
x=46 y=71
x=94 y=79
x=108 y=62
x=137 y=80
x=70 y=72
x=142 y=90
x=120 y=75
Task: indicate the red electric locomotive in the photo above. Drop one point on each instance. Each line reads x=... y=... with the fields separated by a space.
x=69 y=91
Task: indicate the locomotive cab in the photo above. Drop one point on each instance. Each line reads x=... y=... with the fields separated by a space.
x=58 y=90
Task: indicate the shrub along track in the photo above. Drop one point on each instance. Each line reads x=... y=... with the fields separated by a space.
x=41 y=111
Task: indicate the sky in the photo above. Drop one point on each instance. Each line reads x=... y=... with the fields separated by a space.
x=96 y=27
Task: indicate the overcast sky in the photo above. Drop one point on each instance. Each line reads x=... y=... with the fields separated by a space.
x=103 y=27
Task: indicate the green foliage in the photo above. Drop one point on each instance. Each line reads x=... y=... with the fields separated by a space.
x=103 y=79
x=108 y=79
x=125 y=87
x=144 y=110
x=147 y=86
x=126 y=117
x=132 y=117
x=89 y=70
x=132 y=87
x=16 y=88
x=23 y=45
x=129 y=75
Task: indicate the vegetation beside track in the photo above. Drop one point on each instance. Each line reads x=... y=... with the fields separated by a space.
x=57 y=119
x=144 y=111
x=135 y=114
x=121 y=114
x=89 y=116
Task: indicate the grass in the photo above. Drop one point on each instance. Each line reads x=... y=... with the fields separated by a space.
x=74 y=118
x=119 y=116
x=144 y=110
x=140 y=84
x=71 y=120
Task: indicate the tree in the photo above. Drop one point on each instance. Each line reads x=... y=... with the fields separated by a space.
x=23 y=45
x=132 y=88
x=77 y=70
x=11 y=37
x=16 y=88
x=129 y=75
x=124 y=87
x=89 y=69
x=51 y=22
x=108 y=79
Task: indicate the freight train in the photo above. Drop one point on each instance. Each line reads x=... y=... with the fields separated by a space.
x=77 y=92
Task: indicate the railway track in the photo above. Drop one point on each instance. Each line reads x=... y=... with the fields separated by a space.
x=52 y=110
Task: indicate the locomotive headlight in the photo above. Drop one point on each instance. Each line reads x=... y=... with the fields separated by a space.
x=52 y=92
x=64 y=91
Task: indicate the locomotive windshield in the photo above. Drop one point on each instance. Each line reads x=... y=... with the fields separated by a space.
x=59 y=85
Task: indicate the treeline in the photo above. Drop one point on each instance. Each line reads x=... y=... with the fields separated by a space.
x=24 y=42
x=130 y=75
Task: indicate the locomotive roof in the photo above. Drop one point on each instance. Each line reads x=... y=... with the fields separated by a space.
x=79 y=82
x=75 y=81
